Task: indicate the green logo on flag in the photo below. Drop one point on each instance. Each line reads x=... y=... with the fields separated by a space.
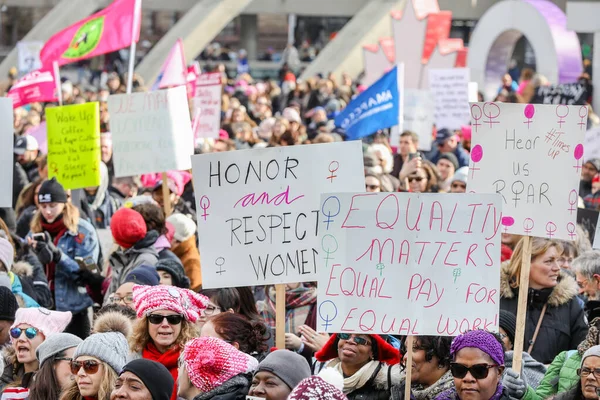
x=86 y=39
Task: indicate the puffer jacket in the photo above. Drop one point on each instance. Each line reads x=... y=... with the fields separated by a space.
x=560 y=377
x=564 y=325
x=235 y=388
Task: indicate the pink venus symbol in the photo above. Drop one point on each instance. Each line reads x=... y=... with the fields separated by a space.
x=529 y=112
x=507 y=221
x=476 y=156
x=578 y=153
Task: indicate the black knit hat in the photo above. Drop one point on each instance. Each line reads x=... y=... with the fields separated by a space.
x=508 y=322
x=175 y=269
x=52 y=192
x=8 y=304
x=154 y=375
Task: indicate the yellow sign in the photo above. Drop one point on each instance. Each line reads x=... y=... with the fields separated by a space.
x=74 y=145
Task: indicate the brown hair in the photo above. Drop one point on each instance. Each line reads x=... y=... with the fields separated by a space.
x=539 y=246
x=153 y=216
x=250 y=336
x=413 y=136
x=107 y=384
x=70 y=217
x=45 y=385
x=27 y=196
x=141 y=337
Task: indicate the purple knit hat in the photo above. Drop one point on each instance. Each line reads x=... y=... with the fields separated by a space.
x=481 y=340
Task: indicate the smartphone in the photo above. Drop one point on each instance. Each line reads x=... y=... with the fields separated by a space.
x=412 y=156
x=83 y=265
x=39 y=237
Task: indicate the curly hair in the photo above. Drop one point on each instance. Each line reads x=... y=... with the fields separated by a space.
x=141 y=337
x=435 y=346
x=251 y=336
x=153 y=216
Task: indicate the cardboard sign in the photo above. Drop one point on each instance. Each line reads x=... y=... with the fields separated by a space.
x=565 y=93
x=409 y=264
x=7 y=138
x=588 y=219
x=151 y=131
x=450 y=88
x=74 y=145
x=208 y=100
x=28 y=56
x=532 y=156
x=418 y=117
x=258 y=210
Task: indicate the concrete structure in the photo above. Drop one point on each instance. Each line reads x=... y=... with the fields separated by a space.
x=197 y=28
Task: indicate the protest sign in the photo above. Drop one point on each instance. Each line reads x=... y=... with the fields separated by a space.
x=151 y=131
x=532 y=156
x=418 y=117
x=596 y=241
x=6 y=152
x=28 y=56
x=565 y=93
x=37 y=86
x=450 y=88
x=259 y=210
x=40 y=134
x=409 y=264
x=74 y=145
x=591 y=144
x=208 y=100
x=588 y=219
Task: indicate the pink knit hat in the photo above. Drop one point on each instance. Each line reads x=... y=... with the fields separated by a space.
x=162 y=297
x=210 y=362
x=46 y=321
x=316 y=388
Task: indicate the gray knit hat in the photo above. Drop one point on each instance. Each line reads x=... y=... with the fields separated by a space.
x=592 y=351
x=54 y=344
x=110 y=347
x=288 y=366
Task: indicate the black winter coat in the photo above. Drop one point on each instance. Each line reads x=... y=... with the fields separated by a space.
x=235 y=388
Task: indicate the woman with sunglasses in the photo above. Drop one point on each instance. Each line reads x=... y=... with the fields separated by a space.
x=30 y=329
x=555 y=319
x=166 y=321
x=477 y=366
x=97 y=361
x=54 y=376
x=424 y=179
x=368 y=363
x=430 y=368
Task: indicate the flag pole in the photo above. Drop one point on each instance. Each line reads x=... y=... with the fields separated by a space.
x=136 y=16
x=57 y=83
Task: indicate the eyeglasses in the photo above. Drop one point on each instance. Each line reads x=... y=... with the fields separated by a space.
x=478 y=371
x=156 y=319
x=210 y=310
x=585 y=372
x=90 y=367
x=582 y=284
x=29 y=332
x=415 y=178
x=356 y=339
x=126 y=300
x=372 y=187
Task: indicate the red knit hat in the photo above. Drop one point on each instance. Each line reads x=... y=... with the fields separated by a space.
x=596 y=178
x=128 y=227
x=386 y=353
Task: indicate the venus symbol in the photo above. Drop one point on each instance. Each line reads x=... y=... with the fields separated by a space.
x=476 y=156
x=583 y=114
x=476 y=114
x=327 y=308
x=529 y=112
x=578 y=153
x=507 y=222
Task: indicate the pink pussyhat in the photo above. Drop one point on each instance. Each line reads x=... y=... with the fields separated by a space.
x=46 y=321
x=466 y=132
x=182 y=301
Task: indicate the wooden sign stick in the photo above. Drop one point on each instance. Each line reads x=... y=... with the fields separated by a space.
x=166 y=195
x=280 y=316
x=409 y=357
x=522 y=304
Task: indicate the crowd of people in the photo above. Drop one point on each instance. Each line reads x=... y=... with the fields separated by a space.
x=82 y=320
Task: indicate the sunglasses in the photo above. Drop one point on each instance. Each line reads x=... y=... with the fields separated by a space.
x=29 y=332
x=358 y=340
x=90 y=367
x=156 y=319
x=478 y=371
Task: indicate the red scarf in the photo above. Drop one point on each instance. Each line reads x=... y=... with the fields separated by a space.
x=168 y=359
x=56 y=230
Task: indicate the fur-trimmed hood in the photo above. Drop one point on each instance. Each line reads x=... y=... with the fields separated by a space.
x=565 y=290
x=22 y=268
x=113 y=321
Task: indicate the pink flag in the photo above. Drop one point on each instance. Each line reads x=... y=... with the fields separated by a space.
x=193 y=72
x=36 y=86
x=174 y=70
x=111 y=29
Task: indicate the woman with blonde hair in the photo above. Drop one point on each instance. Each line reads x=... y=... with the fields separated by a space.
x=555 y=319
x=58 y=237
x=166 y=321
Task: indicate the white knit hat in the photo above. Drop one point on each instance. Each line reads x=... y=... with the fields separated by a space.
x=184 y=226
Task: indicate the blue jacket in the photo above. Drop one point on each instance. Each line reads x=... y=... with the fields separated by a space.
x=68 y=295
x=17 y=289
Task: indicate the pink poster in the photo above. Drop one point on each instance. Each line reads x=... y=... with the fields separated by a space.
x=37 y=86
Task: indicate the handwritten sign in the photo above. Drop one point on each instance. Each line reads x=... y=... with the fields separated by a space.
x=565 y=93
x=588 y=219
x=409 y=264
x=450 y=88
x=208 y=100
x=151 y=131
x=532 y=156
x=6 y=152
x=418 y=117
x=591 y=144
x=74 y=145
x=259 y=210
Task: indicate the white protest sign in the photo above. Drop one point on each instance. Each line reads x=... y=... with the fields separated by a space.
x=531 y=155
x=28 y=56
x=591 y=144
x=596 y=244
x=450 y=88
x=7 y=138
x=418 y=117
x=151 y=131
x=409 y=264
x=259 y=210
x=208 y=100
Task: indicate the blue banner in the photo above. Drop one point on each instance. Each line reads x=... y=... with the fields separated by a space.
x=374 y=109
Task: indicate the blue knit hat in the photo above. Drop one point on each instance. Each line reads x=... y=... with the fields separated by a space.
x=143 y=275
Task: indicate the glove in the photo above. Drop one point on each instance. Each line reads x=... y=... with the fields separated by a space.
x=46 y=251
x=516 y=386
x=86 y=277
